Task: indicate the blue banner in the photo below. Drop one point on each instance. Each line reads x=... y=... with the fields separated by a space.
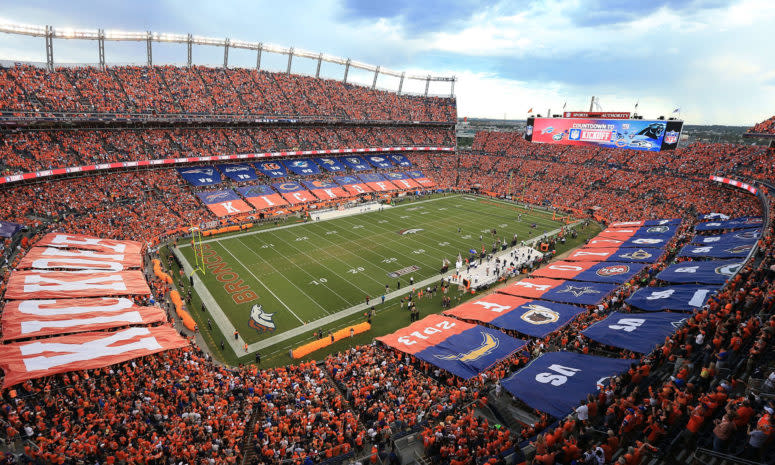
x=398 y=175
x=371 y=177
x=255 y=191
x=616 y=254
x=356 y=163
x=272 y=169
x=647 y=242
x=535 y=318
x=461 y=348
x=415 y=174
x=582 y=293
x=685 y=298
x=302 y=166
x=200 y=175
x=471 y=352
x=347 y=180
x=238 y=173
x=570 y=292
x=711 y=272
x=638 y=332
x=745 y=222
x=8 y=229
x=400 y=160
x=557 y=382
x=333 y=165
x=379 y=161
x=213 y=197
x=716 y=251
x=288 y=187
x=637 y=224
x=743 y=236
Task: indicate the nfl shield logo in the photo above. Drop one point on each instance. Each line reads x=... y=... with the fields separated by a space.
x=671 y=137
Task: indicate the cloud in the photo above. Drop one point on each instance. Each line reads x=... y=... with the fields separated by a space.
x=708 y=56
x=413 y=17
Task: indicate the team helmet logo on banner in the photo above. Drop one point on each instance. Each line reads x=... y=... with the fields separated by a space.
x=539 y=315
x=639 y=254
x=613 y=270
x=489 y=344
x=658 y=229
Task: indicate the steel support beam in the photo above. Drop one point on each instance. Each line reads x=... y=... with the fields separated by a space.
x=320 y=60
x=401 y=83
x=258 y=56
x=101 y=46
x=226 y=53
x=346 y=70
x=374 y=83
x=189 y=44
x=427 y=84
x=290 y=60
x=452 y=87
x=149 y=48
x=50 y=48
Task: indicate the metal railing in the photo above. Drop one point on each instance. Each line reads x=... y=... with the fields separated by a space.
x=49 y=33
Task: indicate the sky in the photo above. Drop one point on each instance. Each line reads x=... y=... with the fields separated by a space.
x=712 y=59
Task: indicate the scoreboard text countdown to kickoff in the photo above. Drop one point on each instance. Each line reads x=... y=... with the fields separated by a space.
x=638 y=134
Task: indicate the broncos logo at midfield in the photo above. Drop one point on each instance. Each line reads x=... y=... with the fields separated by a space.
x=489 y=343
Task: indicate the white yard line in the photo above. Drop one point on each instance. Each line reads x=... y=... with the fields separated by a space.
x=261 y=282
x=341 y=261
x=278 y=272
x=324 y=266
x=393 y=251
x=293 y=332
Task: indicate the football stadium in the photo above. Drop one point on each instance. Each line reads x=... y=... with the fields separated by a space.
x=264 y=264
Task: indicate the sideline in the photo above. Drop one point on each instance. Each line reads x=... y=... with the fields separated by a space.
x=227 y=328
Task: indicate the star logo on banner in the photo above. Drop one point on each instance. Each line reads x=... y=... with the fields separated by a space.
x=679 y=323
x=578 y=291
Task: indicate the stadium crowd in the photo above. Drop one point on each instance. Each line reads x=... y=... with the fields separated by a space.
x=698 y=388
x=35 y=150
x=200 y=90
x=765 y=127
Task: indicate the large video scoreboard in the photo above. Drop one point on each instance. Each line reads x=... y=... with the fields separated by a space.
x=636 y=134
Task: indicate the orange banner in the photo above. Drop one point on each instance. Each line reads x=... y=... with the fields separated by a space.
x=35 y=359
x=38 y=284
x=34 y=318
x=55 y=257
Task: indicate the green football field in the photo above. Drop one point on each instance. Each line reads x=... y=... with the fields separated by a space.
x=307 y=271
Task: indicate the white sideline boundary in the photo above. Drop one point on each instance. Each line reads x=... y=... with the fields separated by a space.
x=227 y=328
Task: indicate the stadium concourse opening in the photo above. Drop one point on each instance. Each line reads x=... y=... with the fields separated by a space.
x=630 y=320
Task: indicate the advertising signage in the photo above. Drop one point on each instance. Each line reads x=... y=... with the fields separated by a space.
x=597 y=114
x=616 y=133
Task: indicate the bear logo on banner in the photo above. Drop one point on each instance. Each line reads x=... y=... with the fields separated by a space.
x=260 y=320
x=639 y=254
x=489 y=344
x=539 y=315
x=613 y=270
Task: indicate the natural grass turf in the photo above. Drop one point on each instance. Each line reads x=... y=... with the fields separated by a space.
x=285 y=263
